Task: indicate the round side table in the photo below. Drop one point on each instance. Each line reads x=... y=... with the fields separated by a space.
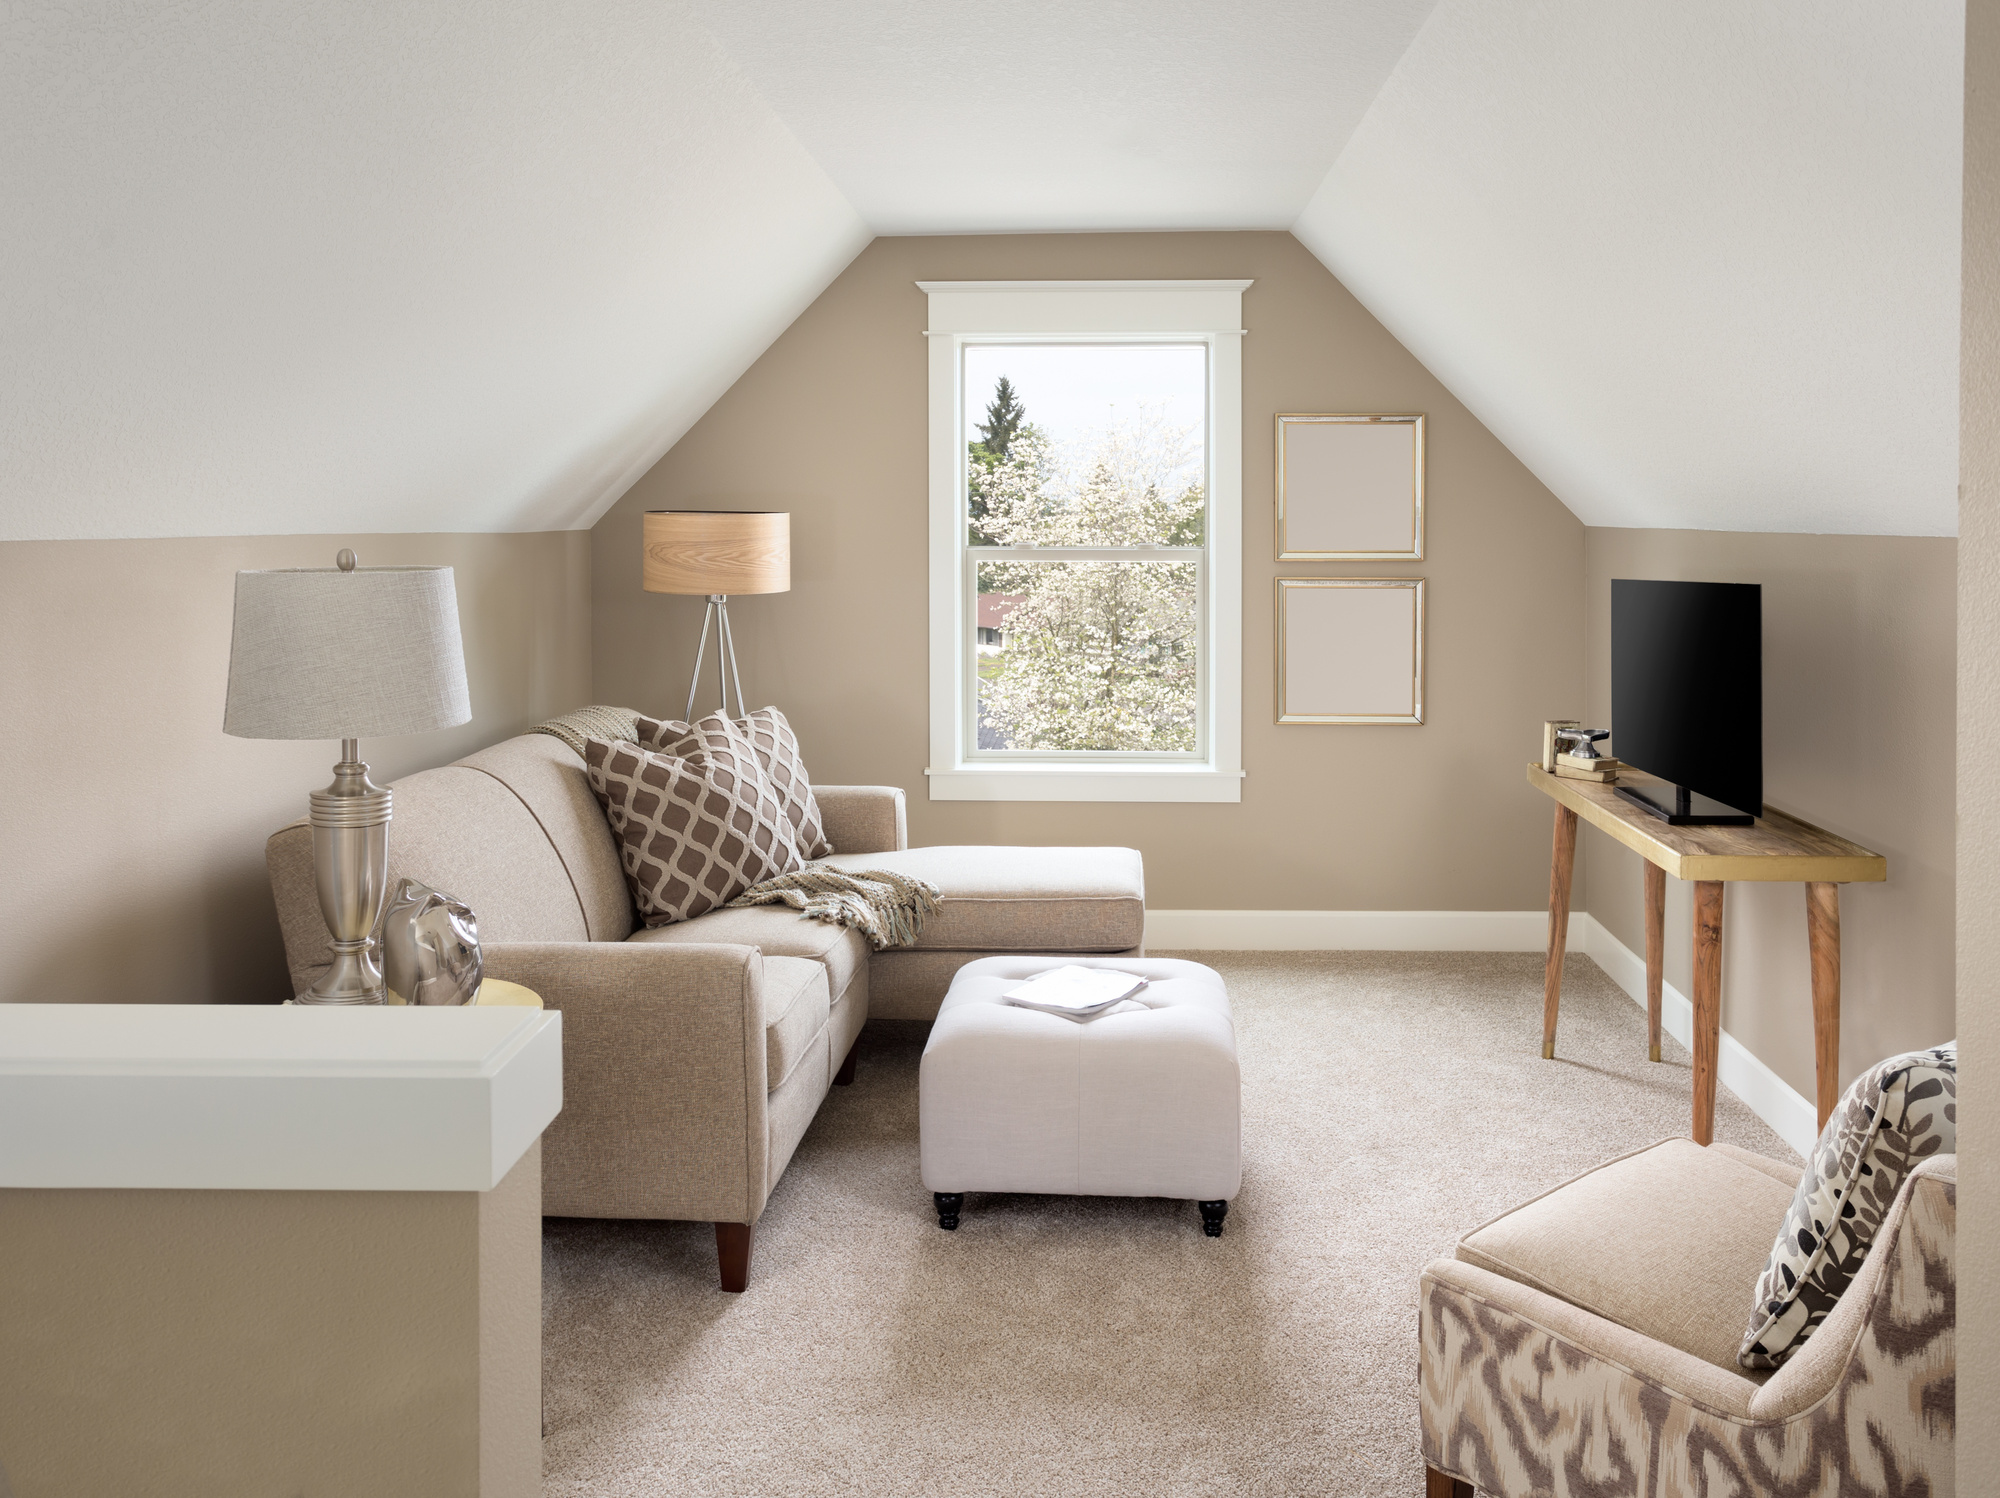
x=499 y=991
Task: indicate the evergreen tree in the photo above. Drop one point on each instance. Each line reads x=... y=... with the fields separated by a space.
x=1004 y=415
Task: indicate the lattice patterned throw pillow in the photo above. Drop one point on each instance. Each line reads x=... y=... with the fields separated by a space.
x=1897 y=1114
x=777 y=750
x=694 y=830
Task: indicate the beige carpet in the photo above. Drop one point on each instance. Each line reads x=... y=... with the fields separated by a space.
x=1059 y=1346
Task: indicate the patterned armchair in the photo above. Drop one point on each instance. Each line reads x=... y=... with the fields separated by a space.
x=1585 y=1343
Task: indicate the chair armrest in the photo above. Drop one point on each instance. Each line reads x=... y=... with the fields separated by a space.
x=864 y=818
x=1907 y=1282
x=664 y=1090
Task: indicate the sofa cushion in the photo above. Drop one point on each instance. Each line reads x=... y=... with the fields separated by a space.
x=1024 y=899
x=795 y=1012
x=776 y=748
x=693 y=831
x=1894 y=1116
x=776 y=932
x=550 y=780
x=1665 y=1242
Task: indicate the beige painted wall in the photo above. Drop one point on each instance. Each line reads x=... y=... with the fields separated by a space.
x=317 y=1343
x=830 y=424
x=132 y=840
x=1979 y=762
x=1858 y=732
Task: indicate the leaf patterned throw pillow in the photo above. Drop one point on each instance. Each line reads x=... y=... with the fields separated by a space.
x=1897 y=1114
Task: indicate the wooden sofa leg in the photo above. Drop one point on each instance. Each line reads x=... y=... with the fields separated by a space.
x=845 y=1076
x=1443 y=1485
x=732 y=1253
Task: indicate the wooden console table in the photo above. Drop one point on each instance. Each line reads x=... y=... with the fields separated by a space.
x=1777 y=848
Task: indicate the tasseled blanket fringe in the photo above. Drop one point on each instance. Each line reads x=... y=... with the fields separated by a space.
x=887 y=907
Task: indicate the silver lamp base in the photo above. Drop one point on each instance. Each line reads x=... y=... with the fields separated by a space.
x=350 y=831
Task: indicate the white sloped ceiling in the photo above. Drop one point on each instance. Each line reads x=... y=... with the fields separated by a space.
x=1696 y=264
x=426 y=266
x=1050 y=115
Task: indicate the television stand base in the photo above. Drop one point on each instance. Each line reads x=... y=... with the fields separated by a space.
x=1677 y=806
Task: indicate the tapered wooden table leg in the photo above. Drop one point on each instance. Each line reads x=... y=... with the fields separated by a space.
x=1656 y=953
x=1707 y=1004
x=1562 y=863
x=1823 y=937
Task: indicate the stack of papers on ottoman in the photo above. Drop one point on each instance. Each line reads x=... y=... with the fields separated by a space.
x=1075 y=992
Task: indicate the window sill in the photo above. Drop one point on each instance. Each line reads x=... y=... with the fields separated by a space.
x=1069 y=782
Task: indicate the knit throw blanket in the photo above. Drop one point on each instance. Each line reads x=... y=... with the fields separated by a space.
x=888 y=908
x=613 y=723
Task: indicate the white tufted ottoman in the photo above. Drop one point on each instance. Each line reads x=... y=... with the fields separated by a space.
x=1144 y=1100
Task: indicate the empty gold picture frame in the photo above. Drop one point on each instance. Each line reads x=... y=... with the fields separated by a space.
x=1351 y=650
x=1350 y=488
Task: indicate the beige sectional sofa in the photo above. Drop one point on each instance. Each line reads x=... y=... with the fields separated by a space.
x=695 y=1055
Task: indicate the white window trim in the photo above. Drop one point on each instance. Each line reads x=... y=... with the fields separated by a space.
x=1206 y=312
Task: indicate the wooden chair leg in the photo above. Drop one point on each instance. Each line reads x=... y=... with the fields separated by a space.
x=845 y=1076
x=1443 y=1485
x=732 y=1253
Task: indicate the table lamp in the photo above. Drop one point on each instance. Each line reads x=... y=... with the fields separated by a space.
x=346 y=652
x=718 y=552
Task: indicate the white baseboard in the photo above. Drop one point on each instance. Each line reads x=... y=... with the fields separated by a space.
x=1348 y=930
x=1793 y=1118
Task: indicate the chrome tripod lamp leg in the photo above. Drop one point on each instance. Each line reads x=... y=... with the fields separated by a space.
x=700 y=651
x=728 y=652
x=350 y=832
x=716 y=615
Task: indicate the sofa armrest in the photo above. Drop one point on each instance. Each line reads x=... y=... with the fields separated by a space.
x=664 y=1091
x=864 y=818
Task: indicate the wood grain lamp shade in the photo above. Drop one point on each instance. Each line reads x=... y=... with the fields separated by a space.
x=718 y=551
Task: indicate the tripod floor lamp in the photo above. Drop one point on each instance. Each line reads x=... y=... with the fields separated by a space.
x=716 y=553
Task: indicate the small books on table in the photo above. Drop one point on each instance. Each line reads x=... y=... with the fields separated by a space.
x=1603 y=769
x=1549 y=744
x=1075 y=992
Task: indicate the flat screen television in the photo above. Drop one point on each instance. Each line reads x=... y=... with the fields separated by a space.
x=1687 y=698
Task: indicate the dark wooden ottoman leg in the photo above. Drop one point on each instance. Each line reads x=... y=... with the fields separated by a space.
x=1443 y=1485
x=948 y=1203
x=1212 y=1214
x=845 y=1076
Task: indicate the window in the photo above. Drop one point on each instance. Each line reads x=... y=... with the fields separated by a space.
x=1085 y=540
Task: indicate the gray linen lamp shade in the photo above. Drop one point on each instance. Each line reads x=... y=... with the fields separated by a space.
x=321 y=653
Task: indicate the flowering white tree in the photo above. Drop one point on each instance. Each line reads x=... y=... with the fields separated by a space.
x=1099 y=655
